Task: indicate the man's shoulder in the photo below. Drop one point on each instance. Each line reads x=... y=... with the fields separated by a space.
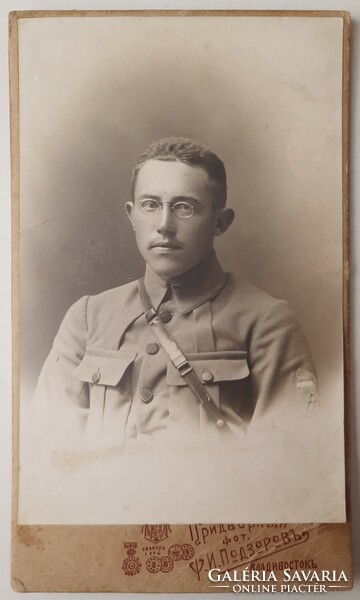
x=244 y=294
x=90 y=310
x=110 y=312
x=121 y=295
x=254 y=310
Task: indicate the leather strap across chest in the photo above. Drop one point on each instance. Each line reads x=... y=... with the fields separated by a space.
x=179 y=360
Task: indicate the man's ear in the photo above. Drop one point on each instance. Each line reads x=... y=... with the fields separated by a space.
x=129 y=207
x=223 y=220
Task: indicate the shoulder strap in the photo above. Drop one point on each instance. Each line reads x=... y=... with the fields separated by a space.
x=179 y=360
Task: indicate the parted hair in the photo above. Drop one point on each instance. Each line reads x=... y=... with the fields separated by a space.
x=191 y=153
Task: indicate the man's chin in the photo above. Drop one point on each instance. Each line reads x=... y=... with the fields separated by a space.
x=167 y=268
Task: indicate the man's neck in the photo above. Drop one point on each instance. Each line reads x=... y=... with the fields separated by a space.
x=192 y=288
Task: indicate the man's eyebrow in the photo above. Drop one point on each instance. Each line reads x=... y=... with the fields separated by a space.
x=173 y=200
x=150 y=196
x=187 y=199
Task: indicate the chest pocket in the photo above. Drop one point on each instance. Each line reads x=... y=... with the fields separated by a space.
x=225 y=376
x=213 y=367
x=105 y=372
x=105 y=367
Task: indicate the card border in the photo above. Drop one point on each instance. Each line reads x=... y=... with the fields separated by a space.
x=14 y=17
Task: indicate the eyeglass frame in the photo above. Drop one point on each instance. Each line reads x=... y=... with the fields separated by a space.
x=160 y=205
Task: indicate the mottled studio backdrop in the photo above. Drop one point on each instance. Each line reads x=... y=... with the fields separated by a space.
x=263 y=93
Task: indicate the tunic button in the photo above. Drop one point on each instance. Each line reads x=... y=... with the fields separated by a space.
x=165 y=315
x=207 y=376
x=96 y=377
x=152 y=348
x=146 y=396
x=220 y=423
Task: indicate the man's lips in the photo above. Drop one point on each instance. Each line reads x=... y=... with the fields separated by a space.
x=167 y=245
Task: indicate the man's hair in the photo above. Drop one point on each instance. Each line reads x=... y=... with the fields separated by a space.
x=191 y=153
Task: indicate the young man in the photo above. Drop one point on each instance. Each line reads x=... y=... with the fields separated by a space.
x=189 y=352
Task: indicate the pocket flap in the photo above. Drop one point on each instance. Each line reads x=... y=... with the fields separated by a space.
x=212 y=367
x=105 y=367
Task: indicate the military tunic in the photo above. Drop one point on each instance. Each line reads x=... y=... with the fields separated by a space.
x=108 y=377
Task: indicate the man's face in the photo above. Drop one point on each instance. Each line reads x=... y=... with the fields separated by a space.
x=172 y=245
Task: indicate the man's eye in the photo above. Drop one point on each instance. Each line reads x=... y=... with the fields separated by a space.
x=149 y=205
x=184 y=209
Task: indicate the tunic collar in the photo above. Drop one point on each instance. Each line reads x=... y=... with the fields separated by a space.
x=190 y=290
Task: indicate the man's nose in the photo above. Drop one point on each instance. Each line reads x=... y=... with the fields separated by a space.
x=167 y=220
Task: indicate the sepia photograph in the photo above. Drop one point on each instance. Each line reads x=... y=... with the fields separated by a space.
x=178 y=184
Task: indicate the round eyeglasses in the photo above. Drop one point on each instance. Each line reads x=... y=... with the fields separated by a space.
x=182 y=209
